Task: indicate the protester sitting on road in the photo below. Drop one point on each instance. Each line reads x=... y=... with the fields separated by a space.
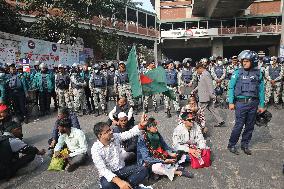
x=6 y=118
x=130 y=145
x=106 y=154
x=122 y=106
x=63 y=113
x=187 y=136
x=153 y=151
x=75 y=141
x=198 y=113
x=10 y=148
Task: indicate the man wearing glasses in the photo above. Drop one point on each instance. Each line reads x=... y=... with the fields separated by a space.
x=187 y=136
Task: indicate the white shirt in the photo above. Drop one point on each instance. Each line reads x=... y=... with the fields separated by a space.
x=113 y=111
x=76 y=142
x=182 y=137
x=108 y=159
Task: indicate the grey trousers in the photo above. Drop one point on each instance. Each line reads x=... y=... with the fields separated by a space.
x=210 y=106
x=78 y=159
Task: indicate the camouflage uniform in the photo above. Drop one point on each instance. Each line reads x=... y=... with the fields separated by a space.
x=146 y=98
x=273 y=72
x=122 y=86
x=185 y=80
x=62 y=82
x=98 y=86
x=171 y=80
x=218 y=72
x=77 y=86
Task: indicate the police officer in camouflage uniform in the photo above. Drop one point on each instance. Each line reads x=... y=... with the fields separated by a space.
x=172 y=83
x=98 y=86
x=218 y=73
x=43 y=82
x=110 y=83
x=150 y=66
x=185 y=77
x=273 y=76
x=62 y=81
x=77 y=85
x=121 y=84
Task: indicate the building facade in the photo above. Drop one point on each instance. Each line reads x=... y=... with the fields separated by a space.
x=198 y=28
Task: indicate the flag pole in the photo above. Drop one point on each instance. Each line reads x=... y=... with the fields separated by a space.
x=139 y=73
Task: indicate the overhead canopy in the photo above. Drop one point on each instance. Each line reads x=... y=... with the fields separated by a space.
x=220 y=8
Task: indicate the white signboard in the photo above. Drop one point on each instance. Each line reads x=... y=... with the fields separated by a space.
x=189 y=33
x=7 y=55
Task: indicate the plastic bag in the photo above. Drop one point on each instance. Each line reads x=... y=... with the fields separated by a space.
x=58 y=163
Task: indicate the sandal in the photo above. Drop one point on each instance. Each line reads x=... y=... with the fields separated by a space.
x=187 y=174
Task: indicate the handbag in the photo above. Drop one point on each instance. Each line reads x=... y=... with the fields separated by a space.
x=203 y=161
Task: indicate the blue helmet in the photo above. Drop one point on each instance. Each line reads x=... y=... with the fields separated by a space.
x=266 y=60
x=250 y=55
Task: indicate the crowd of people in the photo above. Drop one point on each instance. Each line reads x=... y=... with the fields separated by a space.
x=125 y=154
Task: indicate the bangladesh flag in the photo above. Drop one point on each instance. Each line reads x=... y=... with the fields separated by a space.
x=152 y=82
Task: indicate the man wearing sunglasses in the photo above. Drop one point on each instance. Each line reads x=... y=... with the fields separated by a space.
x=187 y=136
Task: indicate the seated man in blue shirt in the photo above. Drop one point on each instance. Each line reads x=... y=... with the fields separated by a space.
x=63 y=113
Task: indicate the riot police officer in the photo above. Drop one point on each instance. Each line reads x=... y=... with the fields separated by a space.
x=98 y=86
x=172 y=83
x=17 y=92
x=246 y=96
x=273 y=76
x=185 y=77
x=43 y=82
x=62 y=81
x=77 y=86
x=122 y=86
x=85 y=74
x=110 y=83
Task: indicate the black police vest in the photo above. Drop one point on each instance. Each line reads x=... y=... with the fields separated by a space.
x=248 y=83
x=186 y=75
x=171 y=76
x=62 y=81
x=219 y=71
x=122 y=78
x=110 y=78
x=98 y=80
x=274 y=72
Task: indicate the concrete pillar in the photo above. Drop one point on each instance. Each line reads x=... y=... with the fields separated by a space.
x=118 y=51
x=273 y=50
x=217 y=47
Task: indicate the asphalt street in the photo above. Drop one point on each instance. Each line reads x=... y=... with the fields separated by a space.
x=261 y=170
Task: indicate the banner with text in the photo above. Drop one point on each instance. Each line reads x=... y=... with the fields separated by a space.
x=42 y=51
x=189 y=33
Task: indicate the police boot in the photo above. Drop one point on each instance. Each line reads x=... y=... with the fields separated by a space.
x=135 y=108
x=169 y=113
x=97 y=112
x=105 y=112
x=146 y=109
x=155 y=109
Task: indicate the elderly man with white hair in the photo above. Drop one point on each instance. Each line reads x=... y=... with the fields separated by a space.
x=129 y=146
